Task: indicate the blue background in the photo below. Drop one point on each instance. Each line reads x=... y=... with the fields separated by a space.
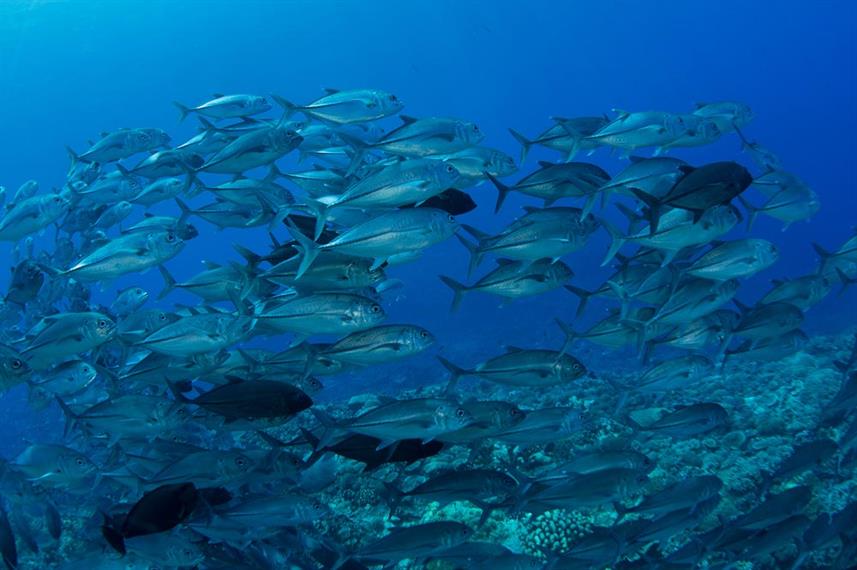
x=71 y=70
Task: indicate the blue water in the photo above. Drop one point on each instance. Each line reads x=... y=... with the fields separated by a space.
x=69 y=71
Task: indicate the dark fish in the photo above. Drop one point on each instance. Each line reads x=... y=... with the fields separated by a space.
x=451 y=201
x=704 y=187
x=157 y=511
x=252 y=400
x=364 y=448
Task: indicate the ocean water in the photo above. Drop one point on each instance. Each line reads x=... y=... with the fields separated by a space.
x=72 y=70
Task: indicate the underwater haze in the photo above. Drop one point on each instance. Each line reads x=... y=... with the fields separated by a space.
x=430 y=284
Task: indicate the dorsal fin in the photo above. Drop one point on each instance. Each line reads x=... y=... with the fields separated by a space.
x=330 y=90
x=218 y=95
x=510 y=349
x=636 y=159
x=407 y=119
x=546 y=163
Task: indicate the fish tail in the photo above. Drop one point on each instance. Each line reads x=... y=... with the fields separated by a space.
x=329 y=424
x=455 y=373
x=618 y=240
x=502 y=190
x=823 y=254
x=273 y=173
x=475 y=254
x=322 y=212
x=570 y=334
x=487 y=509
x=70 y=416
x=653 y=214
x=583 y=295
x=753 y=210
x=310 y=437
x=176 y=389
x=184 y=111
x=846 y=281
x=289 y=108
x=458 y=291
x=623 y=297
x=589 y=204
x=308 y=247
x=73 y=156
x=169 y=282
x=526 y=144
x=113 y=537
x=633 y=217
x=252 y=258
x=185 y=209
x=646 y=350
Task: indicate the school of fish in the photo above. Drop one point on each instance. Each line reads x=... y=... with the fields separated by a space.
x=185 y=448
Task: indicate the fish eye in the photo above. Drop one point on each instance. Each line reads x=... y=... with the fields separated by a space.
x=102 y=324
x=171 y=237
x=316 y=505
x=475 y=128
x=79 y=461
x=460 y=413
x=376 y=309
x=139 y=291
x=57 y=199
x=162 y=316
x=514 y=412
x=239 y=461
x=16 y=363
x=450 y=218
x=450 y=168
x=392 y=98
x=423 y=334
